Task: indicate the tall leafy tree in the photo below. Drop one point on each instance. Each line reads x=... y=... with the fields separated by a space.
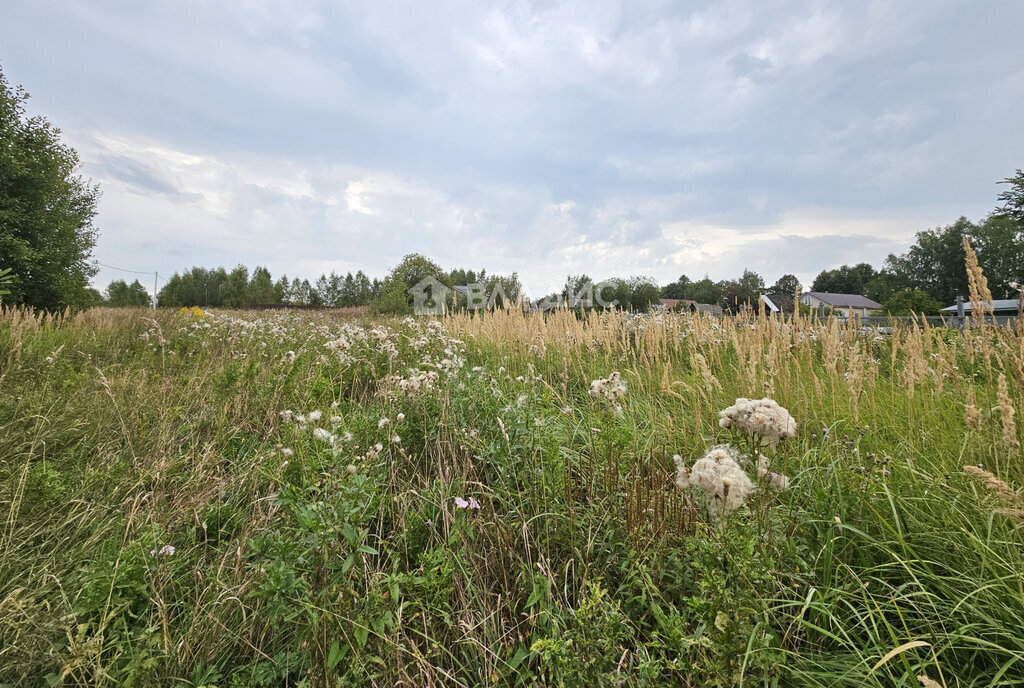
x=124 y=295
x=261 y=287
x=935 y=263
x=704 y=290
x=643 y=293
x=787 y=284
x=846 y=279
x=677 y=289
x=1013 y=198
x=46 y=209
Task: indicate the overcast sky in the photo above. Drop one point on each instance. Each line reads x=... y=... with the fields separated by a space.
x=613 y=138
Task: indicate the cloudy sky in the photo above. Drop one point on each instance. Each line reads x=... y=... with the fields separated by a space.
x=614 y=138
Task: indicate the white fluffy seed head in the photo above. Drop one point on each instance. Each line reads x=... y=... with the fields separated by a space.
x=719 y=476
x=762 y=419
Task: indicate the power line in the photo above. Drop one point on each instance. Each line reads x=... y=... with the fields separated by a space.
x=137 y=272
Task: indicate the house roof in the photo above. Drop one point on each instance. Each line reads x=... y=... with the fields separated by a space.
x=768 y=302
x=998 y=305
x=844 y=300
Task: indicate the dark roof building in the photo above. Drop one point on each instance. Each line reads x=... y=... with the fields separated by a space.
x=842 y=300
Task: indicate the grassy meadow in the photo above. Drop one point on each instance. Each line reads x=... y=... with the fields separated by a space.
x=249 y=499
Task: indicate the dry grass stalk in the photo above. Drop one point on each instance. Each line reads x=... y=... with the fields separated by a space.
x=928 y=682
x=1006 y=413
x=981 y=297
x=971 y=412
x=1005 y=494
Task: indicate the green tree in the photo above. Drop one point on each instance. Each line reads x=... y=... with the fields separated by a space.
x=999 y=243
x=6 y=280
x=120 y=294
x=643 y=293
x=704 y=291
x=46 y=209
x=846 y=279
x=935 y=262
x=677 y=289
x=394 y=292
x=912 y=301
x=746 y=290
x=261 y=287
x=787 y=284
x=1013 y=198
x=236 y=287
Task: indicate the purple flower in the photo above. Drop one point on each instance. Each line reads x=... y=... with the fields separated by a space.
x=166 y=550
x=461 y=503
x=473 y=504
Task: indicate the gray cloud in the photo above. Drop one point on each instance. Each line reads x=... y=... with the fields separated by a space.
x=544 y=137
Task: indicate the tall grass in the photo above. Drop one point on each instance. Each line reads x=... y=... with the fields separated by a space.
x=301 y=562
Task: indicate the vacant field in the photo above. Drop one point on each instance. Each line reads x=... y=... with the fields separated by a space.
x=268 y=499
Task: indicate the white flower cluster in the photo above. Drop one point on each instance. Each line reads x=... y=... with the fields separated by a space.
x=762 y=419
x=719 y=476
x=613 y=388
x=725 y=484
x=417 y=382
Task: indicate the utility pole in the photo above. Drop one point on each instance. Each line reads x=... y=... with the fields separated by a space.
x=156 y=276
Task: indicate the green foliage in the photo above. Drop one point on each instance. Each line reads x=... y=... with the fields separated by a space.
x=46 y=209
x=6 y=281
x=912 y=302
x=413 y=269
x=1013 y=198
x=120 y=294
x=643 y=293
x=845 y=279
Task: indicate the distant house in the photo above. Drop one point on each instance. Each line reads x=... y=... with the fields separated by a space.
x=998 y=306
x=841 y=304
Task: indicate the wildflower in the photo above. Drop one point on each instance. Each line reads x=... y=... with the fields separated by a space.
x=323 y=435
x=400 y=417
x=762 y=419
x=286 y=452
x=395 y=439
x=461 y=503
x=350 y=469
x=165 y=551
x=314 y=416
x=289 y=356
x=287 y=415
x=334 y=404
x=335 y=420
x=383 y=422
x=719 y=475
x=347 y=437
x=612 y=388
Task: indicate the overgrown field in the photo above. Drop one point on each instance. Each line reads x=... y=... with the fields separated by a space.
x=237 y=499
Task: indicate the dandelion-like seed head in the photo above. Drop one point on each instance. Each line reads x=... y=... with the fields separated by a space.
x=719 y=476
x=762 y=419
